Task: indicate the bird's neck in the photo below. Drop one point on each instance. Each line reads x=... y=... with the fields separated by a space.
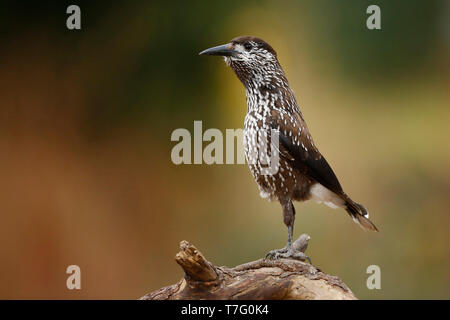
x=270 y=92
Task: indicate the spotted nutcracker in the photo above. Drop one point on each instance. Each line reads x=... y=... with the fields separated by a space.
x=302 y=173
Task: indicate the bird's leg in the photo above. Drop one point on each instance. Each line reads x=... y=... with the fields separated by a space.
x=288 y=252
x=290 y=232
x=288 y=218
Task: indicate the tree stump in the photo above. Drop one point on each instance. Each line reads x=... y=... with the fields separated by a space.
x=282 y=279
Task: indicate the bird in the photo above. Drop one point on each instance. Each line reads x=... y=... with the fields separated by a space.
x=301 y=172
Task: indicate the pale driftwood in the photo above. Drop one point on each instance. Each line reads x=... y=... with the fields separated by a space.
x=280 y=279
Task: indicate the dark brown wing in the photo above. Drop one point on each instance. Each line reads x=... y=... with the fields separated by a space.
x=297 y=147
x=315 y=165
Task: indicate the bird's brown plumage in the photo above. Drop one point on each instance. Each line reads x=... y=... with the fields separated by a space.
x=272 y=112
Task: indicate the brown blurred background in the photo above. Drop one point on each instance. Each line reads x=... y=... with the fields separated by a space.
x=86 y=118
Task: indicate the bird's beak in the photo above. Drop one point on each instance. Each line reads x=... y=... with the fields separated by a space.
x=225 y=50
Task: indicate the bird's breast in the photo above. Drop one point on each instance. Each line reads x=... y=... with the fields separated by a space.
x=282 y=179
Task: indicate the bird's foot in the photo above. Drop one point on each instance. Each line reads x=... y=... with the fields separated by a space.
x=274 y=254
x=287 y=254
x=295 y=252
x=295 y=255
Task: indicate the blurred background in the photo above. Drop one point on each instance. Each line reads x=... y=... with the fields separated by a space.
x=86 y=118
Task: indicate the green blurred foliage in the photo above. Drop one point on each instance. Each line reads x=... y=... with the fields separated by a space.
x=409 y=35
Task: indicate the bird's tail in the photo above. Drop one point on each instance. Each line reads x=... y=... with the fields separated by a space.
x=359 y=214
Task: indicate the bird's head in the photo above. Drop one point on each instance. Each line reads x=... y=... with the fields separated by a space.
x=253 y=60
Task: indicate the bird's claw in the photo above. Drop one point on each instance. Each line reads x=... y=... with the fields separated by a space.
x=294 y=251
x=274 y=254
x=287 y=254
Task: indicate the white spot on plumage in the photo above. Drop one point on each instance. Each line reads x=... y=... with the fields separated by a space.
x=323 y=195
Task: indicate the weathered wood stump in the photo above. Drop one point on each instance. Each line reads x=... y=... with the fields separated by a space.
x=281 y=279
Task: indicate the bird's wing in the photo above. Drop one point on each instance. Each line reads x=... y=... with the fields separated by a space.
x=296 y=146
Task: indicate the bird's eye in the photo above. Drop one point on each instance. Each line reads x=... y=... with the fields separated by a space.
x=248 y=46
